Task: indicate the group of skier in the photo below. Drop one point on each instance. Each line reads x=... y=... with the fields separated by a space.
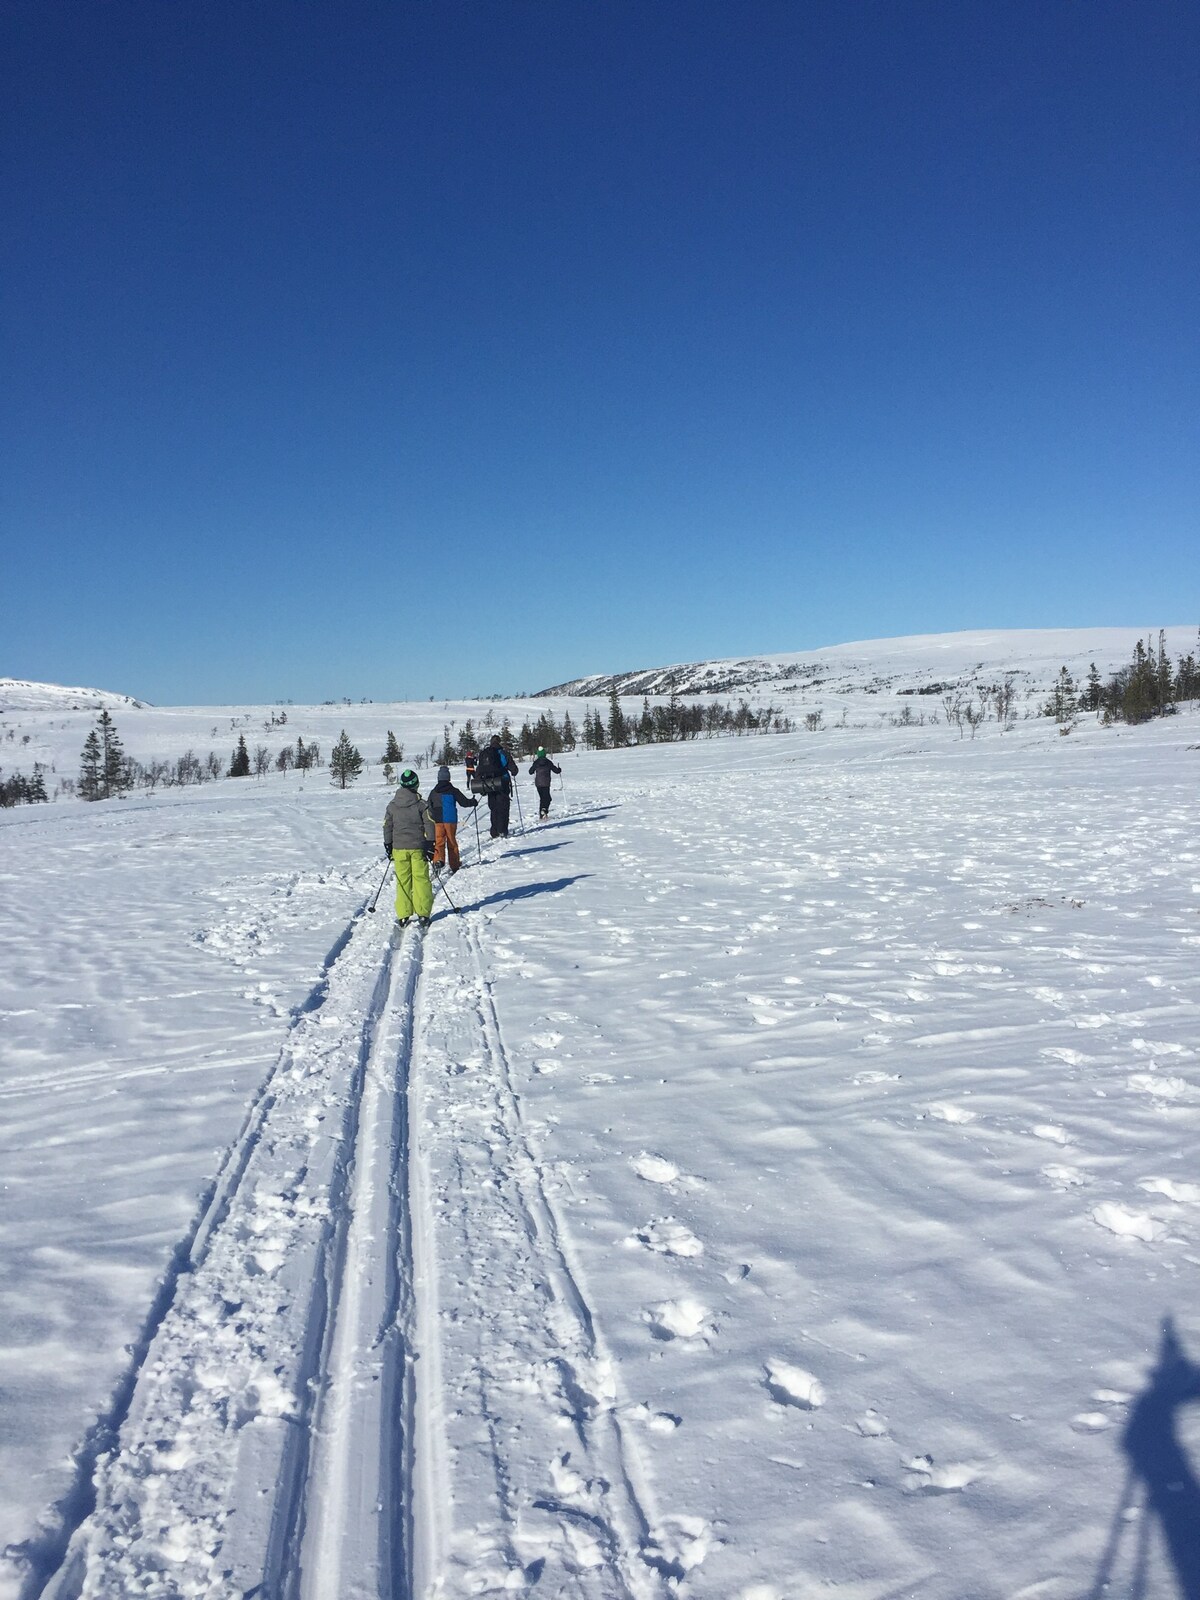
x=419 y=832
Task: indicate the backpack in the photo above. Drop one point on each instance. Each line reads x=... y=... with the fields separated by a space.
x=488 y=777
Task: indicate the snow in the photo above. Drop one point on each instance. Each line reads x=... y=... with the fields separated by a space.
x=775 y=1183
x=16 y=694
x=910 y=665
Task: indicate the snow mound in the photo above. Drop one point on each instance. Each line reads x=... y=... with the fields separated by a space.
x=922 y=664
x=18 y=695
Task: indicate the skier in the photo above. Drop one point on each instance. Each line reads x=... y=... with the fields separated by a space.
x=494 y=777
x=541 y=772
x=444 y=801
x=469 y=763
x=408 y=839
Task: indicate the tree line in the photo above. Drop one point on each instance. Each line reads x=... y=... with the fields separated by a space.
x=1149 y=685
x=661 y=724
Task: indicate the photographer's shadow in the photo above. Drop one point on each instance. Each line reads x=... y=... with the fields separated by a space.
x=1160 y=1485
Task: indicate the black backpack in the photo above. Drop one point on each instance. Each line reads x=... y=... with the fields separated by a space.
x=488 y=777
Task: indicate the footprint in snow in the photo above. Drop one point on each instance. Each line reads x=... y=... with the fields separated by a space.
x=944 y=1111
x=924 y=1478
x=1181 y=1193
x=654 y=1169
x=1063 y=1177
x=667 y=1237
x=684 y=1318
x=1126 y=1224
x=872 y=1424
x=792 y=1386
x=677 y=1545
x=656 y=1421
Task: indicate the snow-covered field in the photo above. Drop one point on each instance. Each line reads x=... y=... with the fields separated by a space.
x=775 y=1184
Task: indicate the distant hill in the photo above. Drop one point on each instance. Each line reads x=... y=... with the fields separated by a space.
x=923 y=664
x=18 y=695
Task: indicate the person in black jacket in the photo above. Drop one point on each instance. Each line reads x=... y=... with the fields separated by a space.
x=444 y=801
x=542 y=772
x=494 y=777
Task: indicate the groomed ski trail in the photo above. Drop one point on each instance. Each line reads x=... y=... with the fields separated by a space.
x=204 y=1492
x=379 y=1376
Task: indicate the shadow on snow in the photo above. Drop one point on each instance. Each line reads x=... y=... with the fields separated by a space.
x=1160 y=1482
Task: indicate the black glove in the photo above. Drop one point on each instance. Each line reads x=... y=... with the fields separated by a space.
x=387 y=855
x=429 y=852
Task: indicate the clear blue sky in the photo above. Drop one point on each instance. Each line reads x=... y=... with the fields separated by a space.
x=429 y=347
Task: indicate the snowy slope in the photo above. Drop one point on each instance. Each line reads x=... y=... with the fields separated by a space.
x=913 y=665
x=776 y=1183
x=17 y=695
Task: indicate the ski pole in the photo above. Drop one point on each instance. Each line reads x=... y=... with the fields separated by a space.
x=382 y=881
x=478 y=839
x=520 y=813
x=437 y=879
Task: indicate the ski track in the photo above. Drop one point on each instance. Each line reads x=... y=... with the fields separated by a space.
x=547 y=1488
x=290 y=1433
x=204 y=1490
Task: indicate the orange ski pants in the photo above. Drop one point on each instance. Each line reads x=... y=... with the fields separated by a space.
x=445 y=846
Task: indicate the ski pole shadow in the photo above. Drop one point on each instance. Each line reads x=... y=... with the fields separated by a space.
x=527 y=891
x=1160 y=1483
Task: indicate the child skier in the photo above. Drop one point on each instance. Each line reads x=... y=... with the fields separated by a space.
x=444 y=801
x=408 y=838
x=542 y=772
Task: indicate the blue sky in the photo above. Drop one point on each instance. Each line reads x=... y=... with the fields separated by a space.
x=429 y=347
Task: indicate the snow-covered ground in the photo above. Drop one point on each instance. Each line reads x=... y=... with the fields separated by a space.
x=776 y=1183
x=918 y=664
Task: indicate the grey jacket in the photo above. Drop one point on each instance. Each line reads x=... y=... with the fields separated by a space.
x=407 y=823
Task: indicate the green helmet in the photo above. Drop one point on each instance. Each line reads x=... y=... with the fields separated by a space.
x=408 y=779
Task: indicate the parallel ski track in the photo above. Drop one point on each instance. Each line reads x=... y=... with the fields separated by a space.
x=623 y=1526
x=108 y=1548
x=355 y=1534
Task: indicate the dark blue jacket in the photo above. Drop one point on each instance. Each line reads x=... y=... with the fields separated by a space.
x=445 y=800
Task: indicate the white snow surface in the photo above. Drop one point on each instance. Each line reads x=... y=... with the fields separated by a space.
x=18 y=695
x=775 y=1183
x=1032 y=657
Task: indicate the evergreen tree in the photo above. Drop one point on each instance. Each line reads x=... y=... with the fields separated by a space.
x=1092 y=694
x=91 y=768
x=114 y=776
x=239 y=767
x=618 y=731
x=302 y=756
x=394 y=754
x=568 y=732
x=345 y=763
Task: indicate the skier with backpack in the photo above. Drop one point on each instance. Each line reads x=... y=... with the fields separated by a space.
x=444 y=801
x=494 y=774
x=542 y=772
x=408 y=840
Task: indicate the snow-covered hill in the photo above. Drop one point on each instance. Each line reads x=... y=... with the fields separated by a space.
x=18 y=695
x=921 y=664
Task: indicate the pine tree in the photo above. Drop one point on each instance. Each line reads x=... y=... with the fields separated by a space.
x=567 y=733
x=394 y=754
x=1093 y=692
x=91 y=768
x=618 y=732
x=345 y=763
x=239 y=767
x=114 y=776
